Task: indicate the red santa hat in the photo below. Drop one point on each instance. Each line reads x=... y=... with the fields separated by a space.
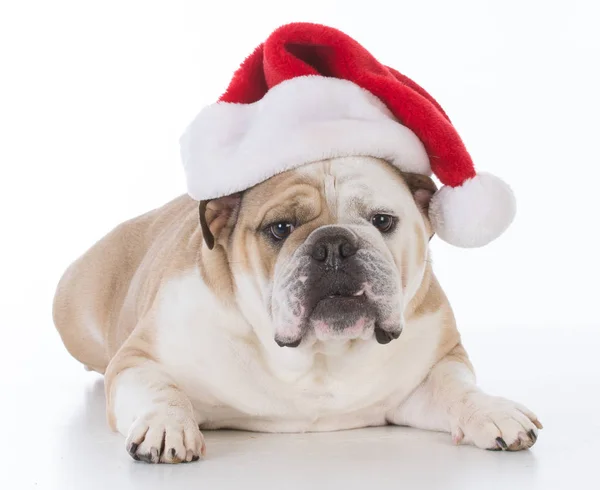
x=311 y=92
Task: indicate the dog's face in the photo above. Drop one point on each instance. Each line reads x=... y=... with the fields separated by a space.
x=332 y=250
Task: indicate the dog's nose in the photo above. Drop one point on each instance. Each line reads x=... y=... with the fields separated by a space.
x=334 y=249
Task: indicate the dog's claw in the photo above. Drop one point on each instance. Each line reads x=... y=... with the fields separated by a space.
x=154 y=455
x=146 y=458
x=532 y=435
x=132 y=450
x=501 y=444
x=457 y=436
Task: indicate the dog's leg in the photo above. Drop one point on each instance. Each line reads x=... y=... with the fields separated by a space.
x=450 y=401
x=145 y=405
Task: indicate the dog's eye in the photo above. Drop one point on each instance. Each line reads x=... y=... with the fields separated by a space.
x=383 y=222
x=282 y=230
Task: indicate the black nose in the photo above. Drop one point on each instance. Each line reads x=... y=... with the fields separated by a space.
x=333 y=249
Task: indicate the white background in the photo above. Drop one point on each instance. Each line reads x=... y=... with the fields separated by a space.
x=94 y=95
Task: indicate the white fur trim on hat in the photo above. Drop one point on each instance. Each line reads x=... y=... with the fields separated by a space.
x=232 y=147
x=473 y=214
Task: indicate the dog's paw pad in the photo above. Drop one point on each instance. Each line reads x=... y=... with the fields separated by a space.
x=162 y=438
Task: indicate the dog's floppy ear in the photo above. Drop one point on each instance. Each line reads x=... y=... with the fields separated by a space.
x=218 y=216
x=422 y=188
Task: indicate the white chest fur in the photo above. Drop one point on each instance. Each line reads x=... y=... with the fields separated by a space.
x=235 y=380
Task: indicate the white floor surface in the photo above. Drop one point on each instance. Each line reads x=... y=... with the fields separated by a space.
x=55 y=435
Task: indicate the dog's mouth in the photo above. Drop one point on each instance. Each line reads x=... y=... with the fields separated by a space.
x=358 y=294
x=346 y=316
x=338 y=307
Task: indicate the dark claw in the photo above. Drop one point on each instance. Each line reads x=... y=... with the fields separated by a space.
x=162 y=445
x=532 y=435
x=195 y=458
x=146 y=458
x=172 y=453
x=132 y=450
x=501 y=443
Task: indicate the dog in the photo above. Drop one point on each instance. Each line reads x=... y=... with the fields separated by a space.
x=306 y=303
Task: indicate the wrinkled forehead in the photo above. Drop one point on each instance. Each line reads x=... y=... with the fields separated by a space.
x=340 y=188
x=358 y=184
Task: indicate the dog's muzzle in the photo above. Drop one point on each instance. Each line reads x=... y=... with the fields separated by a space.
x=338 y=294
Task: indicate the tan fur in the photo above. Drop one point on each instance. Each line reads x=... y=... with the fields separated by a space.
x=285 y=197
x=105 y=304
x=117 y=280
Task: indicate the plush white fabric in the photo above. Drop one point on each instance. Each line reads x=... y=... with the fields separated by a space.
x=474 y=213
x=231 y=147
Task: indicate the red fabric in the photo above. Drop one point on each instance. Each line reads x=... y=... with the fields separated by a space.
x=300 y=49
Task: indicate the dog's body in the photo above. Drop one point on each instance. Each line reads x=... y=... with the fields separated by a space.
x=249 y=335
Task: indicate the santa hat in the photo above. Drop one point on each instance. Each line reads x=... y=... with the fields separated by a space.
x=310 y=93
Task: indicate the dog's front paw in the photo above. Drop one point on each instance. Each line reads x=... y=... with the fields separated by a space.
x=168 y=436
x=494 y=423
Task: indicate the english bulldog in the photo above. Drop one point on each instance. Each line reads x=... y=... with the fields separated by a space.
x=306 y=303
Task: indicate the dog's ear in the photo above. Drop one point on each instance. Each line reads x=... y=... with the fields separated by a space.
x=422 y=188
x=218 y=216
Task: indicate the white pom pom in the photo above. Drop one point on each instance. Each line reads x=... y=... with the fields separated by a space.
x=473 y=214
